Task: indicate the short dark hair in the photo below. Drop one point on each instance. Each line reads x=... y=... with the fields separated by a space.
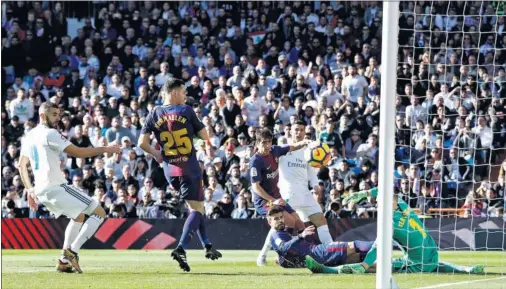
x=171 y=84
x=299 y=122
x=274 y=210
x=264 y=134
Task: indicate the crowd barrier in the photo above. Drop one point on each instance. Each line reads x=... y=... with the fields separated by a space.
x=157 y=234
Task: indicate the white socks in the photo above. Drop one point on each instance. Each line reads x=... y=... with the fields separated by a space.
x=89 y=228
x=267 y=245
x=324 y=234
x=70 y=235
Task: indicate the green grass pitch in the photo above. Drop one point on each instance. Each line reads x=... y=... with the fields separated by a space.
x=155 y=269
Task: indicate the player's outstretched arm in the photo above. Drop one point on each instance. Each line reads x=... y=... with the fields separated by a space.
x=79 y=152
x=299 y=145
x=27 y=182
x=359 y=196
x=144 y=144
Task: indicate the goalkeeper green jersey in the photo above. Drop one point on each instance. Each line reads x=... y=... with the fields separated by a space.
x=410 y=233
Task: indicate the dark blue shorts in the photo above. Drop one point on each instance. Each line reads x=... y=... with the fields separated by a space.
x=263 y=208
x=190 y=189
x=332 y=254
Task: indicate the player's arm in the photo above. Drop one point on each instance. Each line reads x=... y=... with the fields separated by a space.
x=283 y=242
x=144 y=141
x=202 y=134
x=198 y=126
x=145 y=144
x=25 y=177
x=299 y=145
x=87 y=152
x=256 y=174
x=312 y=175
x=359 y=196
x=261 y=192
x=57 y=141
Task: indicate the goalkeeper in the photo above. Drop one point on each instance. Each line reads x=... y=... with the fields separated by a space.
x=420 y=249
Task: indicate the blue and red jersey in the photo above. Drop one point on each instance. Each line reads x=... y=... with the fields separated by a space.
x=264 y=169
x=174 y=127
x=296 y=249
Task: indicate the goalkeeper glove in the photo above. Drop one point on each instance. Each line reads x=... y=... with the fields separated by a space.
x=355 y=197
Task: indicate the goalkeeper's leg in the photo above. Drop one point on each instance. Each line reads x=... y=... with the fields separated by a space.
x=445 y=267
x=357 y=251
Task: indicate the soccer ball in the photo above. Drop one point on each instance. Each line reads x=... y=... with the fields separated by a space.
x=318 y=155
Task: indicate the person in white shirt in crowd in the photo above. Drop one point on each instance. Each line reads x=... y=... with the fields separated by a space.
x=354 y=85
x=149 y=188
x=114 y=89
x=209 y=204
x=450 y=97
x=164 y=75
x=116 y=162
x=331 y=93
x=253 y=107
x=92 y=59
x=415 y=112
x=21 y=106
x=201 y=58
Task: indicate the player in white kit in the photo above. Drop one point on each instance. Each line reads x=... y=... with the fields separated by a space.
x=295 y=176
x=41 y=149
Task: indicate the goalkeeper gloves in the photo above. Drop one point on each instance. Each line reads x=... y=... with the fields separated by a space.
x=355 y=197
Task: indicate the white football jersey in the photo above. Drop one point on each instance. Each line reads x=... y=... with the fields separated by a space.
x=295 y=174
x=43 y=146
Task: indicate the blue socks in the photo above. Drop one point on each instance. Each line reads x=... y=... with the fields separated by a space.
x=194 y=222
x=203 y=231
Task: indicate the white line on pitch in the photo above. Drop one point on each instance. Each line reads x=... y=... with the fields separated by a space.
x=461 y=283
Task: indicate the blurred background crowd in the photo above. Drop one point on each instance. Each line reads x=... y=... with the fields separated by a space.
x=251 y=65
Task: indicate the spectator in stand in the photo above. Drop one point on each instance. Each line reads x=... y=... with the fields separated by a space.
x=316 y=62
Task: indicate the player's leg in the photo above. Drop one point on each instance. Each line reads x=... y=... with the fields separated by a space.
x=72 y=202
x=71 y=232
x=262 y=256
x=191 y=191
x=309 y=210
x=211 y=253
x=96 y=218
x=446 y=267
x=321 y=227
x=361 y=257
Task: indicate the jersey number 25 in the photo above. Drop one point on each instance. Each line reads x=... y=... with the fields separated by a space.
x=176 y=142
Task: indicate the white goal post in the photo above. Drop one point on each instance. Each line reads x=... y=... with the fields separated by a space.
x=389 y=48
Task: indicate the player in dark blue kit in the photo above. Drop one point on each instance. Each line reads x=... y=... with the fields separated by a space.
x=293 y=250
x=264 y=182
x=174 y=126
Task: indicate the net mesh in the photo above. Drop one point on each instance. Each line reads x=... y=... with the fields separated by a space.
x=451 y=130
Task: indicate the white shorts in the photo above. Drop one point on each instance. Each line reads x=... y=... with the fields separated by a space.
x=305 y=205
x=67 y=200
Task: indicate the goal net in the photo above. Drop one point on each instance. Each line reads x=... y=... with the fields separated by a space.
x=450 y=134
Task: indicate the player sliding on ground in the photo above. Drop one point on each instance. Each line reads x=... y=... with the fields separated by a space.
x=264 y=181
x=420 y=249
x=174 y=125
x=41 y=148
x=293 y=250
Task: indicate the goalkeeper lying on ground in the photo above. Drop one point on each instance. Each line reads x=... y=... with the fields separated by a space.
x=420 y=249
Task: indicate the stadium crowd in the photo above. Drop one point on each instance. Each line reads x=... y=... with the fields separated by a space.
x=251 y=65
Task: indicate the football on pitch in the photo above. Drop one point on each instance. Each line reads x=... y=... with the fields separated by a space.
x=318 y=155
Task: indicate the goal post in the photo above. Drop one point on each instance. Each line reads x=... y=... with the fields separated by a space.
x=389 y=47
